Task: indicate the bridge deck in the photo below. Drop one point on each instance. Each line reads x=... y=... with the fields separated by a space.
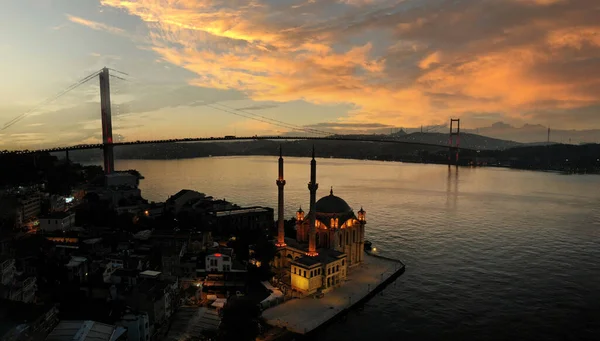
x=215 y=139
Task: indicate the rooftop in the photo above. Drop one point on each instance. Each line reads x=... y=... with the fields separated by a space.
x=332 y=204
x=325 y=256
x=85 y=330
x=234 y=211
x=57 y=215
x=118 y=174
x=182 y=193
x=150 y=273
x=76 y=261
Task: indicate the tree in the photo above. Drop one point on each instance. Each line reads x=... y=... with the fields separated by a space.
x=264 y=252
x=240 y=322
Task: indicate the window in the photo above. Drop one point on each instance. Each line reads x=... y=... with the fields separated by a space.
x=311 y=274
x=329 y=271
x=304 y=273
x=342 y=262
x=337 y=268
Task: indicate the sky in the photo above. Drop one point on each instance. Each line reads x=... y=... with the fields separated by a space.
x=202 y=68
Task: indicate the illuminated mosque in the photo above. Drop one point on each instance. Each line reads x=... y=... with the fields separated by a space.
x=329 y=239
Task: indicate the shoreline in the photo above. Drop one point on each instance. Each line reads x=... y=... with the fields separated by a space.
x=541 y=170
x=302 y=318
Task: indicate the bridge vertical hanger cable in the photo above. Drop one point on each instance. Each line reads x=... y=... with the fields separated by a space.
x=49 y=100
x=249 y=115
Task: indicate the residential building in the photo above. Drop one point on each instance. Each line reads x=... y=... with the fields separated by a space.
x=25 y=321
x=78 y=269
x=218 y=262
x=137 y=324
x=158 y=298
x=57 y=203
x=30 y=206
x=15 y=288
x=233 y=221
x=176 y=202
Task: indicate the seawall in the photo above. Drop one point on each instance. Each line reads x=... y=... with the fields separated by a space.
x=308 y=315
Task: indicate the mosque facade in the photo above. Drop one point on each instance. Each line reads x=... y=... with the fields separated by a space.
x=329 y=239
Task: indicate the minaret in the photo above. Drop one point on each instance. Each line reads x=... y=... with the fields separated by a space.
x=280 y=212
x=313 y=186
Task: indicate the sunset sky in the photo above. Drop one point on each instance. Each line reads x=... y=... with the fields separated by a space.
x=334 y=65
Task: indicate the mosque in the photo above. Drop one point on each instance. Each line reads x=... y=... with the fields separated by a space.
x=329 y=241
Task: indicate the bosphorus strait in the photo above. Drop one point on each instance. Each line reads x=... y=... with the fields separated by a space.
x=491 y=254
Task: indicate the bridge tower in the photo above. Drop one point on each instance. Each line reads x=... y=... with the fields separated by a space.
x=454 y=143
x=107 y=138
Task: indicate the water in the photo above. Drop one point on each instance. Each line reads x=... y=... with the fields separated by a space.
x=491 y=254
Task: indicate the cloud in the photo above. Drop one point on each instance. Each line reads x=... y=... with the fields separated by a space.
x=335 y=125
x=400 y=63
x=96 y=25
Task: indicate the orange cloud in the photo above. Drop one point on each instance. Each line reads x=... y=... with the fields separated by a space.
x=398 y=62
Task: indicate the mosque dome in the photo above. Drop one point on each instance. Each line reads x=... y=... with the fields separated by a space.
x=332 y=204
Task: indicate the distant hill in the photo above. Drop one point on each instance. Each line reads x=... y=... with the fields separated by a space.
x=467 y=140
x=536 y=133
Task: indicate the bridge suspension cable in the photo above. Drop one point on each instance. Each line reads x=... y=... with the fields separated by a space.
x=276 y=122
x=247 y=114
x=283 y=125
x=49 y=100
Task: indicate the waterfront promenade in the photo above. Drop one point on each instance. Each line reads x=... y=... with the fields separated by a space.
x=306 y=314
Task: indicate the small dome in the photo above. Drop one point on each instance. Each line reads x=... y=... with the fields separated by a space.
x=332 y=204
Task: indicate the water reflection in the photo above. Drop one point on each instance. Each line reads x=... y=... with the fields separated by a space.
x=452 y=188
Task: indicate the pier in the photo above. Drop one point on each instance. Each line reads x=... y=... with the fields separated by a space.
x=305 y=315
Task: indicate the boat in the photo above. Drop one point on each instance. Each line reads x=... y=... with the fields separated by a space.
x=368 y=245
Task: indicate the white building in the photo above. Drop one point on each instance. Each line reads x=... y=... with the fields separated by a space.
x=218 y=262
x=59 y=221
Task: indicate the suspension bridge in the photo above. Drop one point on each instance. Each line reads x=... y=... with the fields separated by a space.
x=108 y=144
